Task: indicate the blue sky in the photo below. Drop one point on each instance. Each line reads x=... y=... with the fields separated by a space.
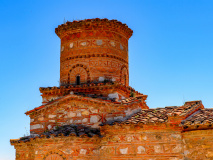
x=170 y=52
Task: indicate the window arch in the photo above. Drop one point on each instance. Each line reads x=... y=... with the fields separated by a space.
x=124 y=76
x=54 y=155
x=78 y=74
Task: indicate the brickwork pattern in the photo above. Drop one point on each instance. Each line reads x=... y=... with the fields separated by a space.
x=76 y=110
x=198 y=145
x=104 y=89
x=108 y=120
x=126 y=142
x=103 y=50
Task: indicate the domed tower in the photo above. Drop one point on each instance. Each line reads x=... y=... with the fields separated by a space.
x=94 y=50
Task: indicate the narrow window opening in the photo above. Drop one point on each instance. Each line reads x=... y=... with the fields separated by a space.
x=78 y=80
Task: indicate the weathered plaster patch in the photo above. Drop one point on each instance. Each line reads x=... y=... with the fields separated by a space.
x=83 y=151
x=141 y=150
x=124 y=150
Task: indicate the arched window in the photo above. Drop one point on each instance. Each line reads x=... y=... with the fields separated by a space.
x=82 y=72
x=78 y=80
x=124 y=76
x=125 y=80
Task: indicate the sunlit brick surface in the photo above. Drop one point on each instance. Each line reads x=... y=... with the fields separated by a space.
x=98 y=46
x=103 y=118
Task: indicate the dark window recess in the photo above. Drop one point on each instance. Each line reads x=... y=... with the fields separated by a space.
x=78 y=80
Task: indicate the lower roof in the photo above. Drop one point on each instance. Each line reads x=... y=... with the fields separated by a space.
x=191 y=113
x=66 y=130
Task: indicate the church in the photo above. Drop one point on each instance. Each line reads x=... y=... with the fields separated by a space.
x=95 y=115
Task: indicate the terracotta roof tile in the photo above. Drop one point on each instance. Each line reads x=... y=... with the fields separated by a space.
x=201 y=117
x=88 y=85
x=67 y=130
x=96 y=97
x=160 y=115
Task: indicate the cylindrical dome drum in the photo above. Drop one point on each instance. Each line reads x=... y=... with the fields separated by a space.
x=94 y=50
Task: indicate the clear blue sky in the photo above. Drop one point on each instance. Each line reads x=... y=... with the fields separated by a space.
x=170 y=52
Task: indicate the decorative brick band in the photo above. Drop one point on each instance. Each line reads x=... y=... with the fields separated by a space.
x=94 y=55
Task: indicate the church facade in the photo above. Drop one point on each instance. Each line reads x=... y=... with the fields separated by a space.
x=95 y=114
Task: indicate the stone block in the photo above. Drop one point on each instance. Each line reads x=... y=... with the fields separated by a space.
x=141 y=150
x=94 y=110
x=85 y=120
x=85 y=113
x=94 y=118
x=77 y=121
x=158 y=149
x=52 y=116
x=83 y=151
x=101 y=79
x=118 y=117
x=41 y=118
x=49 y=127
x=71 y=114
x=109 y=118
x=124 y=150
x=79 y=114
x=113 y=95
x=36 y=126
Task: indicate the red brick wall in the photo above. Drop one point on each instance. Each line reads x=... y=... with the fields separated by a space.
x=118 y=143
x=100 y=50
x=61 y=148
x=25 y=151
x=148 y=142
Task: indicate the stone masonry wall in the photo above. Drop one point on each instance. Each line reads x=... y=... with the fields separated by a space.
x=116 y=144
x=60 y=148
x=147 y=143
x=198 y=145
x=78 y=112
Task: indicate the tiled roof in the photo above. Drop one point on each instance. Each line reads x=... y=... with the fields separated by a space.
x=67 y=130
x=90 y=85
x=123 y=101
x=151 y=116
x=160 y=115
x=201 y=117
